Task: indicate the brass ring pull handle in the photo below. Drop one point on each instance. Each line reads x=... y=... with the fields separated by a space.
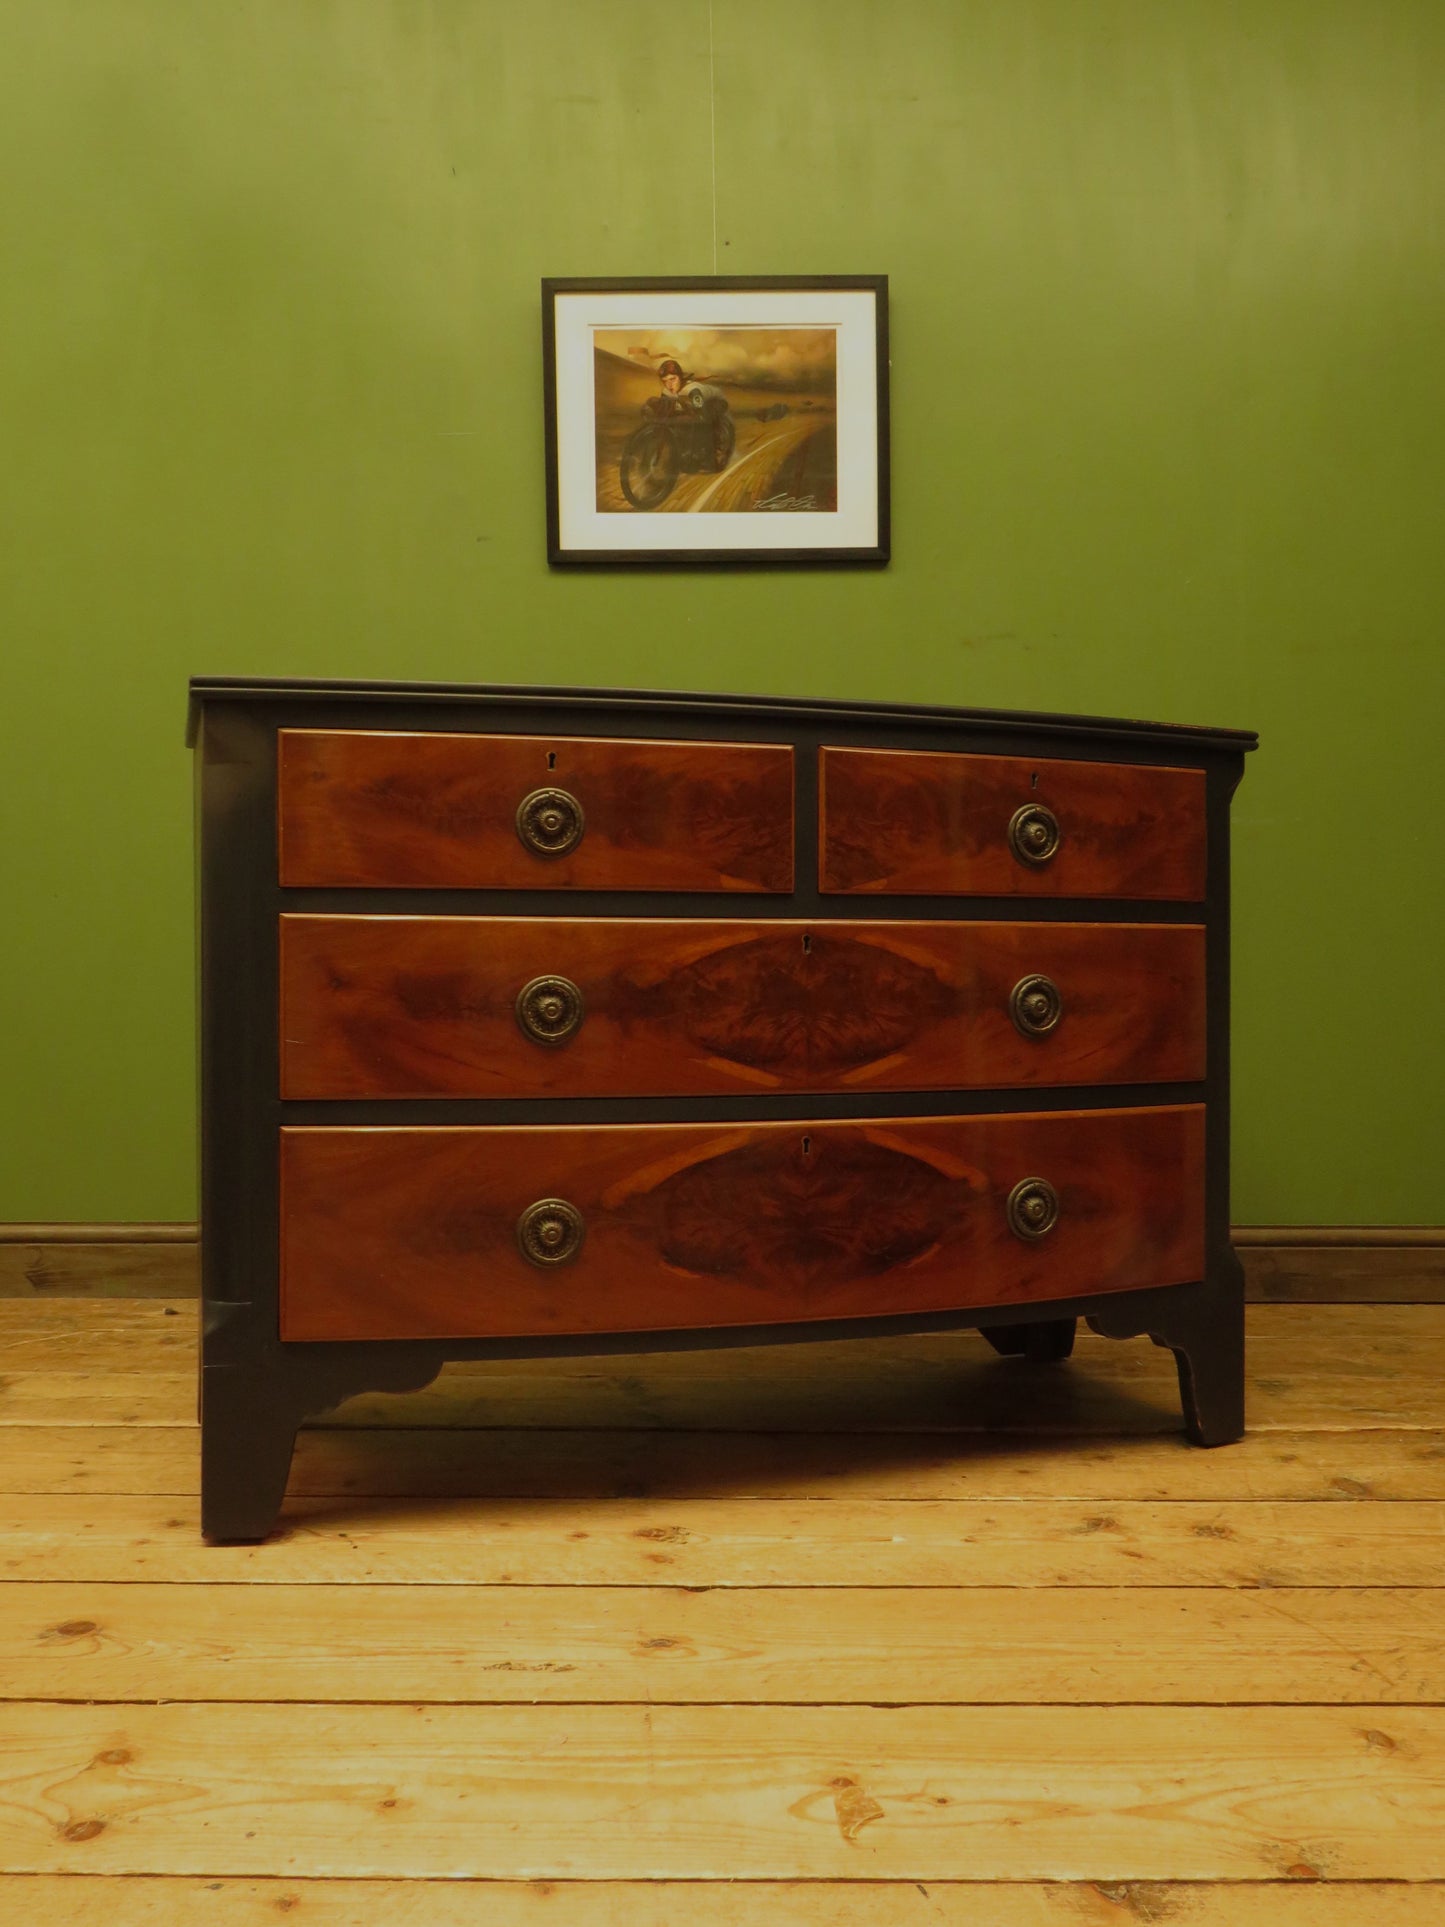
x=550 y=1232
x=1035 y=1005
x=550 y=822
x=1033 y=834
x=550 y=1009
x=1033 y=1209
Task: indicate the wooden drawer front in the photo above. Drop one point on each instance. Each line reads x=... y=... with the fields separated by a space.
x=429 y=1006
x=415 y=1233
x=369 y=809
x=898 y=820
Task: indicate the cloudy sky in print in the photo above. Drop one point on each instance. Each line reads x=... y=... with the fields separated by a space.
x=794 y=359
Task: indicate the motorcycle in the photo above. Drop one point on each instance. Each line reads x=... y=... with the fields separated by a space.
x=688 y=434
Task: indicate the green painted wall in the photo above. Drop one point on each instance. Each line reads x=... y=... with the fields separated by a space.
x=1168 y=311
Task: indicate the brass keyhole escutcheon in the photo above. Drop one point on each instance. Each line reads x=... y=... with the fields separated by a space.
x=1035 y=1005
x=1033 y=834
x=550 y=1009
x=550 y=1232
x=550 y=822
x=1033 y=1209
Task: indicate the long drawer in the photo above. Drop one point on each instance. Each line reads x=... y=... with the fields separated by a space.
x=493 y=1231
x=914 y=822
x=409 y=1007
x=374 y=809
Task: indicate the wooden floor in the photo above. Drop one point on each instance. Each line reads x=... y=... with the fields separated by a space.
x=873 y=1635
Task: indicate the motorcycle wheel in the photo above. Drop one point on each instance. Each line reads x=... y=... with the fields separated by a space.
x=648 y=469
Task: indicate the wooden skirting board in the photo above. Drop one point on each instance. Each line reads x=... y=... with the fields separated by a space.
x=99 y=1261
x=1292 y=1264
x=1343 y=1264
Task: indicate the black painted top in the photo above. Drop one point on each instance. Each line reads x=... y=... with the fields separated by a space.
x=208 y=689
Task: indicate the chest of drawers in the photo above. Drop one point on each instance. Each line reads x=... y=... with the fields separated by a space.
x=540 y=1021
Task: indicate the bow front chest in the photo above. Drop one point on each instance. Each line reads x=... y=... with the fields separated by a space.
x=548 y=1021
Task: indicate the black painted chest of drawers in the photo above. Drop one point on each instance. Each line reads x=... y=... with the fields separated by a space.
x=566 y=1021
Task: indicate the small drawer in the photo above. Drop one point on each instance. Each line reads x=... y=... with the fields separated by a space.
x=372 y=809
x=409 y=1007
x=913 y=822
x=472 y=1232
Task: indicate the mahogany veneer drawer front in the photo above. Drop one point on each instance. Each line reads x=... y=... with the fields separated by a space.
x=547 y=1021
x=533 y=813
x=427 y=1233
x=908 y=822
x=521 y=1006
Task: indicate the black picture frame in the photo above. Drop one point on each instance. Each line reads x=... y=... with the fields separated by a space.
x=673 y=454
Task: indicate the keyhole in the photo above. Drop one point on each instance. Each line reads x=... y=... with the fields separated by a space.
x=552 y=760
x=1034 y=780
x=807 y=1146
x=807 y=941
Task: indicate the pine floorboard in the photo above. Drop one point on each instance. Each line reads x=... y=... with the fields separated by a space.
x=147 y=1901
x=889 y=1632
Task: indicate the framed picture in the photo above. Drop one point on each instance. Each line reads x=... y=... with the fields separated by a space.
x=717 y=421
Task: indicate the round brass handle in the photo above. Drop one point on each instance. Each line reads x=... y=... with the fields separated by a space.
x=1033 y=1209
x=550 y=822
x=549 y=1009
x=1035 y=1005
x=550 y=1232
x=1033 y=834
